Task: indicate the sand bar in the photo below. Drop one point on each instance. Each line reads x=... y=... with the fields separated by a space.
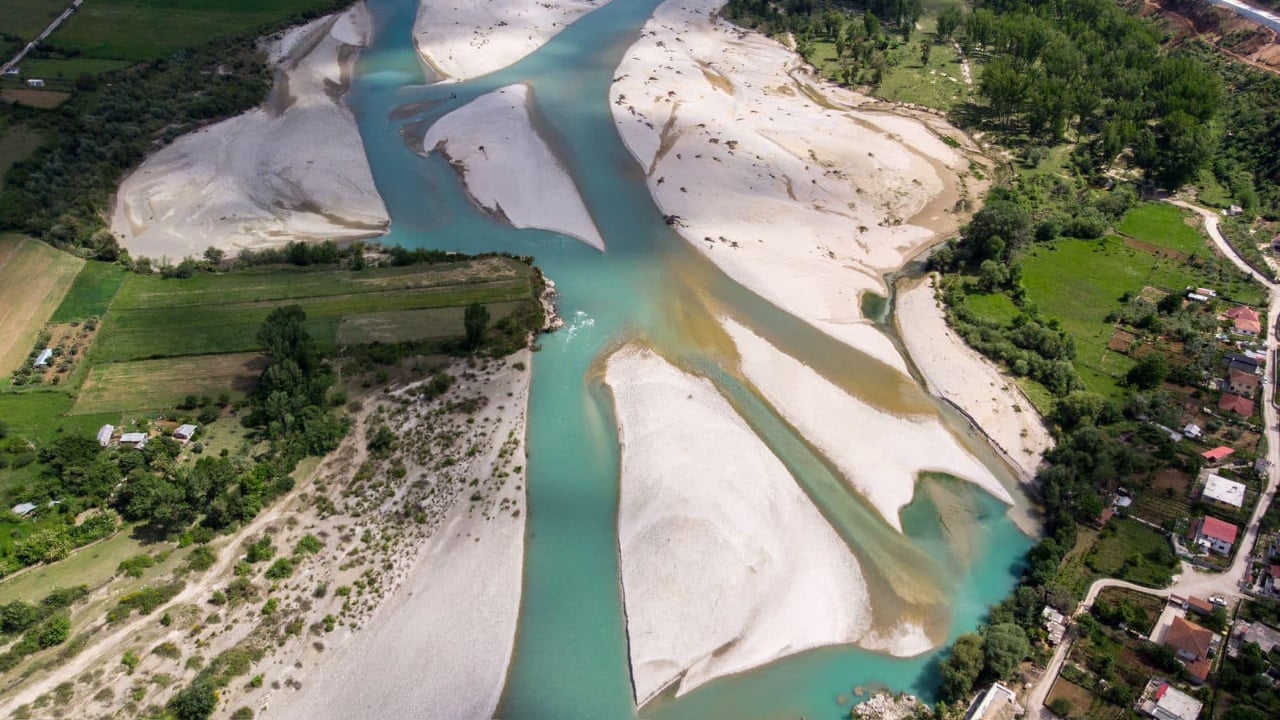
x=508 y=169
x=293 y=169
x=880 y=454
x=956 y=372
x=726 y=564
x=464 y=39
x=803 y=192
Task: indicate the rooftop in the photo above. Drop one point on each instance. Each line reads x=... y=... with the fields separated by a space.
x=1242 y=312
x=1222 y=490
x=1218 y=529
x=1189 y=638
x=1216 y=454
x=1235 y=403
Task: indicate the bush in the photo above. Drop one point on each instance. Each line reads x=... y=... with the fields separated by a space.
x=195 y=702
x=260 y=550
x=308 y=545
x=280 y=569
x=53 y=631
x=135 y=566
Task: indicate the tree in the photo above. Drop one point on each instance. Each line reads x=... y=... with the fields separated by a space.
x=1006 y=645
x=214 y=255
x=960 y=671
x=926 y=48
x=197 y=701
x=1149 y=372
x=949 y=18
x=475 y=319
x=1003 y=87
x=284 y=336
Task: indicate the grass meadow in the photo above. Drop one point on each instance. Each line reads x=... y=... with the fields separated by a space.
x=33 y=280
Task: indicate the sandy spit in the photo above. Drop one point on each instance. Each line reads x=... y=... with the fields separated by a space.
x=878 y=453
x=726 y=564
x=508 y=169
x=464 y=39
x=294 y=168
x=441 y=644
x=956 y=372
x=800 y=191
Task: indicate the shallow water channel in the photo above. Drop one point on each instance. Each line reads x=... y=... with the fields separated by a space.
x=960 y=552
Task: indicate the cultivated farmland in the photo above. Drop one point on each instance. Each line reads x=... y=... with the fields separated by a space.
x=148 y=384
x=33 y=279
x=153 y=317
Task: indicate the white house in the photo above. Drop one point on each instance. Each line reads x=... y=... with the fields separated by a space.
x=12 y=71
x=1214 y=535
x=1166 y=702
x=24 y=509
x=35 y=82
x=1224 y=492
x=134 y=439
x=104 y=434
x=996 y=702
x=184 y=432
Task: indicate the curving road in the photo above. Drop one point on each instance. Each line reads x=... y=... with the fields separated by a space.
x=1193 y=581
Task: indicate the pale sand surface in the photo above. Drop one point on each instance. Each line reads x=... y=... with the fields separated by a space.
x=293 y=169
x=726 y=564
x=956 y=372
x=441 y=645
x=804 y=204
x=508 y=169
x=464 y=39
x=880 y=454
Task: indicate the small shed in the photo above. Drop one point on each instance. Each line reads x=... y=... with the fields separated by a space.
x=12 y=71
x=24 y=509
x=35 y=82
x=42 y=360
x=185 y=432
x=134 y=439
x=1192 y=430
x=104 y=434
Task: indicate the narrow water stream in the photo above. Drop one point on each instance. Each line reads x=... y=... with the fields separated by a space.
x=571 y=648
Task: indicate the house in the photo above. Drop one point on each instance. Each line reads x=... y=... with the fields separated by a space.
x=1241 y=383
x=104 y=434
x=134 y=440
x=184 y=432
x=1245 y=359
x=42 y=360
x=997 y=703
x=1234 y=403
x=1216 y=455
x=12 y=71
x=1267 y=637
x=23 y=509
x=1055 y=624
x=1199 y=605
x=1206 y=292
x=1245 y=320
x=1192 y=430
x=1195 y=646
x=1233 y=211
x=1224 y=493
x=1163 y=701
x=35 y=83
x=1214 y=535
x=1197 y=297
x=1243 y=367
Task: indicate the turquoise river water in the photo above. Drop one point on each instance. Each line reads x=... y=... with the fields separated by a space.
x=571 y=647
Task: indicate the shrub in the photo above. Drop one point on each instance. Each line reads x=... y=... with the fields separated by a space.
x=53 y=631
x=201 y=558
x=136 y=565
x=280 y=569
x=309 y=545
x=130 y=660
x=260 y=550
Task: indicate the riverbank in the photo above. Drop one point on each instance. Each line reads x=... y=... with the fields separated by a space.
x=726 y=564
x=292 y=169
x=804 y=192
x=508 y=170
x=957 y=373
x=464 y=39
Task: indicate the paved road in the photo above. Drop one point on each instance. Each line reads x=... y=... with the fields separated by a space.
x=1194 y=581
x=1252 y=12
x=40 y=38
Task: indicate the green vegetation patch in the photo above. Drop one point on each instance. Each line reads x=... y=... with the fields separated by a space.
x=91 y=293
x=27 y=18
x=1129 y=550
x=16 y=143
x=154 y=317
x=992 y=307
x=1164 y=225
x=159 y=384
x=149 y=29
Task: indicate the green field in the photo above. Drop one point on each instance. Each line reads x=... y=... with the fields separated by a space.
x=160 y=384
x=138 y=30
x=27 y=18
x=1129 y=550
x=53 y=70
x=1164 y=225
x=91 y=293
x=994 y=307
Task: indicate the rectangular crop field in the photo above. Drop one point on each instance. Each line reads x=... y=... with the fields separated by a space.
x=157 y=384
x=149 y=29
x=1164 y=225
x=153 y=317
x=402 y=325
x=33 y=280
x=91 y=293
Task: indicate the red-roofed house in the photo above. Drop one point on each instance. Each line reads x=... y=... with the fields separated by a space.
x=1194 y=646
x=1217 y=455
x=1236 y=404
x=1242 y=383
x=1245 y=320
x=1214 y=535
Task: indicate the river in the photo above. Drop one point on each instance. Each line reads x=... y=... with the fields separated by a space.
x=571 y=650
